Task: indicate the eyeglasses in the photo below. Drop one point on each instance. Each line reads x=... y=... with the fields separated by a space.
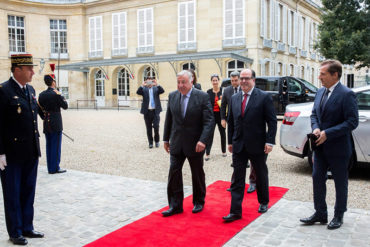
x=246 y=78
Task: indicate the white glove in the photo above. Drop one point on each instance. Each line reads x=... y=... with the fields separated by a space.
x=2 y=162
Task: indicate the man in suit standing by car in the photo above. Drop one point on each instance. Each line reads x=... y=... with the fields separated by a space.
x=51 y=100
x=334 y=116
x=19 y=149
x=249 y=113
x=225 y=104
x=187 y=129
x=151 y=108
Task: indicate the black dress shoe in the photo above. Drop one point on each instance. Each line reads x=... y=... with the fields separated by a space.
x=197 y=208
x=335 y=223
x=315 y=218
x=19 y=240
x=231 y=217
x=263 y=208
x=157 y=144
x=172 y=211
x=150 y=145
x=33 y=234
x=61 y=171
x=251 y=188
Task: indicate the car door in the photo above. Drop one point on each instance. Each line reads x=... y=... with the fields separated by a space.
x=362 y=132
x=295 y=91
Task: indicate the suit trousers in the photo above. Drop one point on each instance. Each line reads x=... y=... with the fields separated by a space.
x=238 y=186
x=19 y=185
x=53 y=150
x=339 y=168
x=152 y=122
x=175 y=190
x=222 y=134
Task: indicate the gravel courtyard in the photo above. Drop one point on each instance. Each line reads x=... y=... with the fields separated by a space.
x=114 y=142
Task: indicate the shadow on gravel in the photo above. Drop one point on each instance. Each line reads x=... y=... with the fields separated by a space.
x=301 y=167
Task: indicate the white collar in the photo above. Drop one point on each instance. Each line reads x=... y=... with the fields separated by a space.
x=249 y=93
x=20 y=85
x=332 y=87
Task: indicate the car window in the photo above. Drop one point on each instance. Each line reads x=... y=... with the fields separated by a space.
x=308 y=85
x=363 y=100
x=267 y=84
x=294 y=86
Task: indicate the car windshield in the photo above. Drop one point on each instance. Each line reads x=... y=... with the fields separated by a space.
x=308 y=85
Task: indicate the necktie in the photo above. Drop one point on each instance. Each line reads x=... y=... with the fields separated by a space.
x=235 y=90
x=151 y=98
x=25 y=91
x=324 y=99
x=183 y=106
x=244 y=103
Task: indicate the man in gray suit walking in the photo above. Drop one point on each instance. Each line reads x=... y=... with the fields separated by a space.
x=187 y=128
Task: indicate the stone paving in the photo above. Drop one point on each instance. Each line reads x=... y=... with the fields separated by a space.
x=75 y=208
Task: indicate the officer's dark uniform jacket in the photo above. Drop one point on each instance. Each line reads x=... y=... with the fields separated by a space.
x=19 y=136
x=50 y=103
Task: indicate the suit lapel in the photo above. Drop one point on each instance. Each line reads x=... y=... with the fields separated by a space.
x=239 y=103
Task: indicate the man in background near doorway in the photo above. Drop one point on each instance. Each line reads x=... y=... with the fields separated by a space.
x=225 y=104
x=151 y=108
x=19 y=149
x=51 y=100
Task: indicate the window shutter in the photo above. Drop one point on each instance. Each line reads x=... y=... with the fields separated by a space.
x=149 y=26
x=277 y=69
x=283 y=73
x=277 y=21
x=228 y=19
x=271 y=68
x=92 y=33
x=307 y=33
x=301 y=32
x=191 y=21
x=239 y=30
x=115 y=31
x=271 y=24
x=290 y=42
x=285 y=12
x=182 y=22
x=262 y=24
x=123 y=30
x=99 y=34
x=141 y=27
x=296 y=34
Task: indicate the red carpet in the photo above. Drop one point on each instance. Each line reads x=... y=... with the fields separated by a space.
x=187 y=229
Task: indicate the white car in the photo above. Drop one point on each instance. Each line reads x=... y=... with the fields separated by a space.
x=297 y=124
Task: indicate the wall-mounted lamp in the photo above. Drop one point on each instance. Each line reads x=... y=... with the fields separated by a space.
x=42 y=64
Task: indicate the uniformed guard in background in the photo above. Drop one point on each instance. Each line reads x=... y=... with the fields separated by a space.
x=51 y=100
x=19 y=149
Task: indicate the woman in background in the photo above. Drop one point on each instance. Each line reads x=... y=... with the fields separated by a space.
x=215 y=96
x=195 y=84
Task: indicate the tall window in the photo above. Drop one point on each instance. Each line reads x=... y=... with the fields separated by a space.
x=99 y=83
x=145 y=30
x=148 y=73
x=187 y=66
x=123 y=83
x=186 y=28
x=96 y=33
x=302 y=32
x=58 y=37
x=16 y=34
x=291 y=24
x=119 y=34
x=234 y=65
x=234 y=19
x=267 y=13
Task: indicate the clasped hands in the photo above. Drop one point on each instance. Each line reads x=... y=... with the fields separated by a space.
x=321 y=136
x=2 y=162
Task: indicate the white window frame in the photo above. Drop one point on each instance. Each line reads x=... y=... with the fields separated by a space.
x=117 y=47
x=146 y=34
x=96 y=51
x=234 y=33
x=18 y=49
x=187 y=20
x=63 y=51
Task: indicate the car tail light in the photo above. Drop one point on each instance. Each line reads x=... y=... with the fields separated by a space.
x=290 y=117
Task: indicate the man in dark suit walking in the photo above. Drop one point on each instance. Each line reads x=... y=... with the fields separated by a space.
x=249 y=112
x=151 y=108
x=187 y=129
x=19 y=149
x=228 y=92
x=50 y=102
x=334 y=116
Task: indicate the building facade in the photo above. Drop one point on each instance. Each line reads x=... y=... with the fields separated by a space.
x=106 y=48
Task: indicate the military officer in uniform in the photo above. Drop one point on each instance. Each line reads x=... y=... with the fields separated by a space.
x=19 y=149
x=50 y=102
